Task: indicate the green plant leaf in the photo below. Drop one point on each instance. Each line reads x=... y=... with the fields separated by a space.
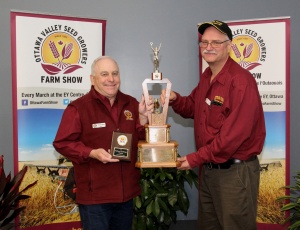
x=134 y=222
x=158 y=186
x=145 y=186
x=172 y=197
x=150 y=223
x=167 y=219
x=141 y=223
x=161 y=217
x=183 y=201
x=169 y=176
x=289 y=206
x=293 y=205
x=283 y=198
x=163 y=194
x=163 y=206
x=155 y=207
x=149 y=208
x=295 y=225
x=137 y=201
x=162 y=176
x=148 y=200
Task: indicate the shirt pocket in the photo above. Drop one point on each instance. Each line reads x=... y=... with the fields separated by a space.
x=215 y=116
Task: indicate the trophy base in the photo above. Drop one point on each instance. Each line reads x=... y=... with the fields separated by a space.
x=157 y=164
x=157 y=133
x=157 y=155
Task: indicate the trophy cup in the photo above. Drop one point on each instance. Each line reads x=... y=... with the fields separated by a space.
x=157 y=150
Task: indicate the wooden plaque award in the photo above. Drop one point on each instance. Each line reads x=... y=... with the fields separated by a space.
x=157 y=150
x=121 y=146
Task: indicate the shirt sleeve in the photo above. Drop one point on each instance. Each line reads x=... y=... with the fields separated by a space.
x=184 y=105
x=67 y=140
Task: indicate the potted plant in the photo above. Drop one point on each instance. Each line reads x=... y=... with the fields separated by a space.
x=163 y=194
x=292 y=204
x=10 y=195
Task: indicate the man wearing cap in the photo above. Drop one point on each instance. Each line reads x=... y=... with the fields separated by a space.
x=229 y=132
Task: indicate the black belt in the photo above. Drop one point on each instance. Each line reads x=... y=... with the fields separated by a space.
x=227 y=164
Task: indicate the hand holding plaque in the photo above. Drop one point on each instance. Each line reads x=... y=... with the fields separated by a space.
x=157 y=150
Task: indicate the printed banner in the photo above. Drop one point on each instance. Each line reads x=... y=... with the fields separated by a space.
x=52 y=57
x=262 y=47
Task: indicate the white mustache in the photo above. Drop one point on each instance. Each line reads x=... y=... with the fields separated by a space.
x=209 y=52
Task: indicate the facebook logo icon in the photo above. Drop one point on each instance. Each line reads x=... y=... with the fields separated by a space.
x=66 y=101
x=24 y=102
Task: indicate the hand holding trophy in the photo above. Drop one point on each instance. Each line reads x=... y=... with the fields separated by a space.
x=157 y=150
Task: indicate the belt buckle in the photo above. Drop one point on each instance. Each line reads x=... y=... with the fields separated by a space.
x=237 y=161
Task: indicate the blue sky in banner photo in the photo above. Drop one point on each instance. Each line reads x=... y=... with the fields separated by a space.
x=274 y=147
x=37 y=130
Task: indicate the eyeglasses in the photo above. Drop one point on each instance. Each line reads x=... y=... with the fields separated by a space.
x=213 y=44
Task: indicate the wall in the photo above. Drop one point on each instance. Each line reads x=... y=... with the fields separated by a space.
x=131 y=25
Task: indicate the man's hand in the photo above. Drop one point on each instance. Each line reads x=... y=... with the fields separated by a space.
x=184 y=163
x=145 y=110
x=163 y=96
x=102 y=155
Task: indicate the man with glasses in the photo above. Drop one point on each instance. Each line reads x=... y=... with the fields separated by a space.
x=229 y=132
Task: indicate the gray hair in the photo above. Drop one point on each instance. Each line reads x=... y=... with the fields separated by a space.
x=99 y=59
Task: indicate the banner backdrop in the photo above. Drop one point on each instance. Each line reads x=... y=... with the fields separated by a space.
x=262 y=46
x=51 y=64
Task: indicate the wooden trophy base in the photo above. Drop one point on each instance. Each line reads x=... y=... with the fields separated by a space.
x=157 y=155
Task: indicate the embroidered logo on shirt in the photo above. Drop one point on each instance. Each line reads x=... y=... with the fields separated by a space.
x=219 y=100
x=128 y=115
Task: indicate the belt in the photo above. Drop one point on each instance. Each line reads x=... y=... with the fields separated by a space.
x=227 y=164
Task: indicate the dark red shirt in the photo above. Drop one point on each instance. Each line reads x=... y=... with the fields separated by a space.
x=88 y=123
x=228 y=116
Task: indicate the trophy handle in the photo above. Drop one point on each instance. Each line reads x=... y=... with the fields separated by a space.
x=168 y=92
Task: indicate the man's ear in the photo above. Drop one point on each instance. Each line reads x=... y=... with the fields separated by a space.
x=92 y=79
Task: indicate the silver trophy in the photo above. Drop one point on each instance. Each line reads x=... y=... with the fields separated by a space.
x=157 y=150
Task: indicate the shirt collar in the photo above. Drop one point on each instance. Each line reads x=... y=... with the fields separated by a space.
x=221 y=76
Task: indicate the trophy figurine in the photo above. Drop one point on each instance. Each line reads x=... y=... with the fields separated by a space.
x=157 y=150
x=156 y=75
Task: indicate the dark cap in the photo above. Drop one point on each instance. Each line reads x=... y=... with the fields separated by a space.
x=219 y=25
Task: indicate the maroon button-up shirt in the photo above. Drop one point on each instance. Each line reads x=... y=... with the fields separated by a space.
x=228 y=116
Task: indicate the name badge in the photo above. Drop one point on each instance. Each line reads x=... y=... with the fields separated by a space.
x=207 y=101
x=99 y=125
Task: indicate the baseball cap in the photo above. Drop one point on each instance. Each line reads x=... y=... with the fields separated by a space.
x=219 y=25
